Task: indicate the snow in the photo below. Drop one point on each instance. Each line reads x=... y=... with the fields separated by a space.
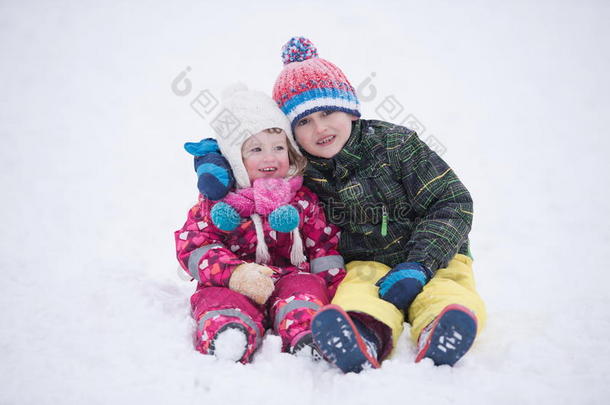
x=94 y=181
x=230 y=345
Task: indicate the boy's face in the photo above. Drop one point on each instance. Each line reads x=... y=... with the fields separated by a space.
x=324 y=133
x=266 y=155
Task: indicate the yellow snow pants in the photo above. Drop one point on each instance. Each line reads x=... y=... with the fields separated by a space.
x=453 y=284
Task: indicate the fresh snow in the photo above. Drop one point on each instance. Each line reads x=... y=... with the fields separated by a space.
x=94 y=181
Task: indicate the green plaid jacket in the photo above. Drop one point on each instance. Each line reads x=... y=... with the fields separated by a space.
x=394 y=198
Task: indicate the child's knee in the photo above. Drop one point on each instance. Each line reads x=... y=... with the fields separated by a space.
x=364 y=272
x=306 y=284
x=207 y=299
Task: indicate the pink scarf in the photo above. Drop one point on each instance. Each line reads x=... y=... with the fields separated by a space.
x=264 y=196
x=261 y=199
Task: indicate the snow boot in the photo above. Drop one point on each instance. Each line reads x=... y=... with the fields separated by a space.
x=303 y=346
x=446 y=339
x=344 y=342
x=230 y=342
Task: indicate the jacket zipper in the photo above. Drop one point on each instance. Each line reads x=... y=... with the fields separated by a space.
x=384 y=215
x=384 y=220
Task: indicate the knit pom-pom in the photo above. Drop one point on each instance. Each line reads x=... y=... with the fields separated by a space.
x=284 y=218
x=298 y=49
x=225 y=217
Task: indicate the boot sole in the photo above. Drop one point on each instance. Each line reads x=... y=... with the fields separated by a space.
x=339 y=341
x=451 y=337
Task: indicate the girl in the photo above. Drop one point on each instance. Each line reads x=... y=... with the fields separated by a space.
x=264 y=256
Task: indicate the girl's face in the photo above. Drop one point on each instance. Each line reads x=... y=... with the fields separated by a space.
x=324 y=133
x=265 y=155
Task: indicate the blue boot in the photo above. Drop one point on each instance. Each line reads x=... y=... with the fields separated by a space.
x=446 y=339
x=343 y=341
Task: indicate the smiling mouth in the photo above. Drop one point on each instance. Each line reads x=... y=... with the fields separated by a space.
x=268 y=170
x=326 y=140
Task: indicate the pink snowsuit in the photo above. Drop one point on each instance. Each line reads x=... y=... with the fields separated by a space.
x=210 y=255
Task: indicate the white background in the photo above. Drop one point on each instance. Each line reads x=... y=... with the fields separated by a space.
x=94 y=180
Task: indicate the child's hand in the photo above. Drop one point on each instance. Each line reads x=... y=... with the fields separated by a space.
x=402 y=284
x=254 y=281
x=214 y=175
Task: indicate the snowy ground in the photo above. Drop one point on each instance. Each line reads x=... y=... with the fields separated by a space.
x=94 y=181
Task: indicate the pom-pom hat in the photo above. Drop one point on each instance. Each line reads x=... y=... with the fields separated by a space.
x=308 y=84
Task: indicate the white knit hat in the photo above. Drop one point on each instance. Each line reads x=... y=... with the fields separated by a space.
x=245 y=113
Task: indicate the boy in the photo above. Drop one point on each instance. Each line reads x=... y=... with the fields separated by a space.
x=405 y=219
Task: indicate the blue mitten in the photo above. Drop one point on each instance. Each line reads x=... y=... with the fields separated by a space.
x=402 y=284
x=214 y=176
